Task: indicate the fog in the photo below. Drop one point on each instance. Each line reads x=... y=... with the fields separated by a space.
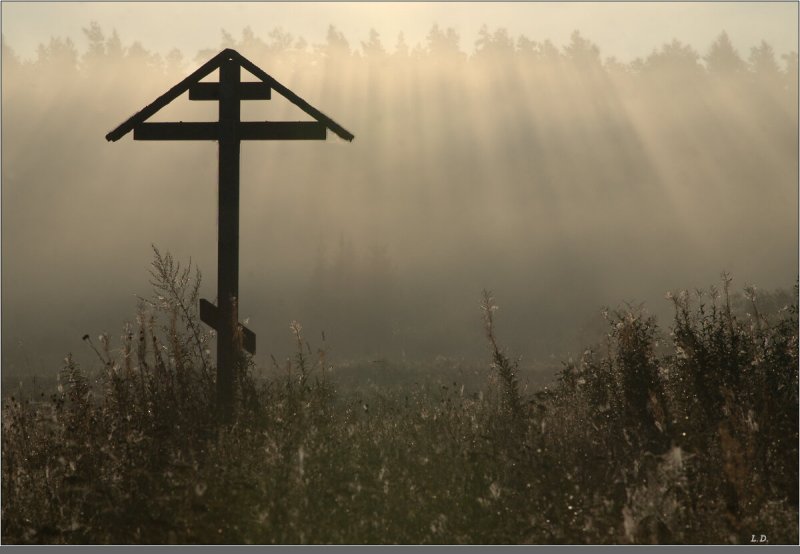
x=561 y=180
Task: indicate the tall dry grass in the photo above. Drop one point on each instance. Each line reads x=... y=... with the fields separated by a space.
x=683 y=436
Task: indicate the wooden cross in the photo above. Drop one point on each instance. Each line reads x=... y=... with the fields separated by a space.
x=228 y=131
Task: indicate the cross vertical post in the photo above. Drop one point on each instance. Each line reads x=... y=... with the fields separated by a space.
x=228 y=351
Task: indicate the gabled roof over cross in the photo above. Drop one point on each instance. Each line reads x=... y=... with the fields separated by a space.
x=211 y=65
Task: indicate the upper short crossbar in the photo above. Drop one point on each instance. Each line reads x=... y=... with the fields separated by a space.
x=245 y=91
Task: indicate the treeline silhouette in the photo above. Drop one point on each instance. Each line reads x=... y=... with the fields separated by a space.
x=563 y=179
x=282 y=50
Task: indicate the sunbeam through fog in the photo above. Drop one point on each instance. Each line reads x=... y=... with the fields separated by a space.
x=562 y=180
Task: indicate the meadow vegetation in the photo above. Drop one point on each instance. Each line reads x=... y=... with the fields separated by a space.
x=679 y=435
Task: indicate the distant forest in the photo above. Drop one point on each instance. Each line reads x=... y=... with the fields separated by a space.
x=561 y=179
x=283 y=49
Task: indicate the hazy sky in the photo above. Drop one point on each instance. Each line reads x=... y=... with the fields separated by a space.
x=624 y=29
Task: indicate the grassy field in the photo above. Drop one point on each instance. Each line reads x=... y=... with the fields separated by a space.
x=681 y=435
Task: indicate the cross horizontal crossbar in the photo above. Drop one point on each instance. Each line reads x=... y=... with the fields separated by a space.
x=209 y=314
x=245 y=130
x=246 y=91
x=176 y=131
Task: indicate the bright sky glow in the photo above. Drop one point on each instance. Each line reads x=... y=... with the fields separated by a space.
x=625 y=30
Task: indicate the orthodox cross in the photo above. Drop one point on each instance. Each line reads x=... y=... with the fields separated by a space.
x=229 y=131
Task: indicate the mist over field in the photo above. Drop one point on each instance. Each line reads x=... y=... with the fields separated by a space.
x=558 y=178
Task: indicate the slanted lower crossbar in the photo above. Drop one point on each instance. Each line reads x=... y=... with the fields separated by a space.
x=209 y=314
